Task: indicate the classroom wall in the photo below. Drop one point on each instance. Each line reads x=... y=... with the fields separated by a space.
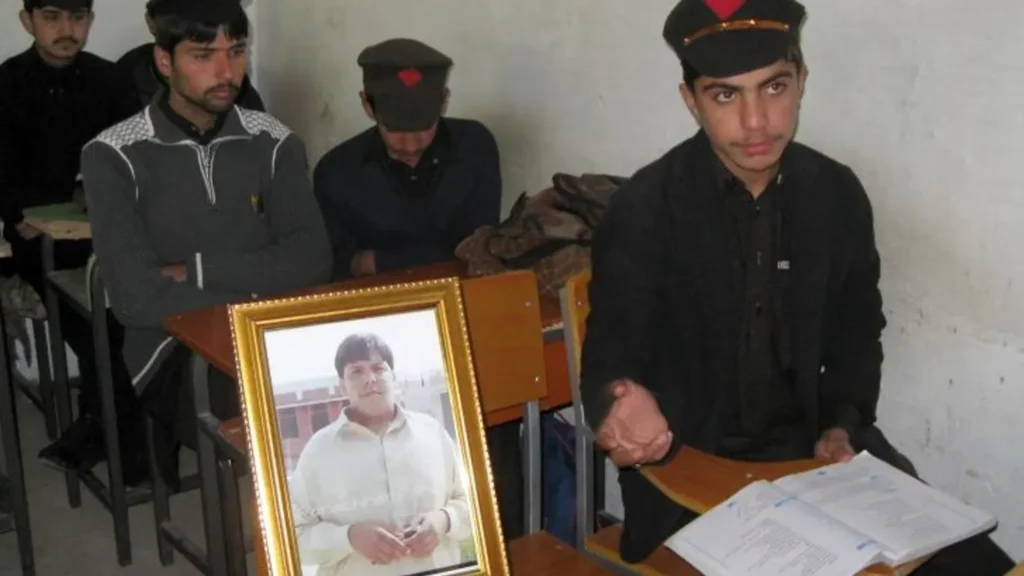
x=920 y=97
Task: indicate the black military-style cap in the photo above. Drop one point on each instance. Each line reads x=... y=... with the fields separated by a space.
x=722 y=38
x=69 y=5
x=406 y=80
x=201 y=11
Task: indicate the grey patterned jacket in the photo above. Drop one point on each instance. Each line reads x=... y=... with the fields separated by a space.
x=238 y=211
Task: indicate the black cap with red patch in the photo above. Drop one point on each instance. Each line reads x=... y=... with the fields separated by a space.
x=406 y=80
x=69 y=5
x=722 y=38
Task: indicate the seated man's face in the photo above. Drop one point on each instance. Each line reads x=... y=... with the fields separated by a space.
x=408 y=147
x=370 y=386
x=60 y=34
x=208 y=75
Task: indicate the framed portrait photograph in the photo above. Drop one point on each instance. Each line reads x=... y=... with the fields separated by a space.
x=366 y=434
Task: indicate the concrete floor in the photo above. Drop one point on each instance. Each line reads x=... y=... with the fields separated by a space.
x=81 y=541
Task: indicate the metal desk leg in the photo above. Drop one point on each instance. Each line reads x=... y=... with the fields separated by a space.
x=44 y=389
x=47 y=396
x=234 y=535
x=60 y=393
x=115 y=472
x=12 y=456
x=585 y=485
x=532 y=465
x=210 y=490
x=161 y=498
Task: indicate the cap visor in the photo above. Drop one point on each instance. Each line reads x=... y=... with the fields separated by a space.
x=731 y=53
x=409 y=113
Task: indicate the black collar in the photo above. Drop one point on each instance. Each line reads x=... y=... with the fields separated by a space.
x=439 y=151
x=187 y=127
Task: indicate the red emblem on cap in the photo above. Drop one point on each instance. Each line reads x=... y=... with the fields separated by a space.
x=724 y=9
x=410 y=77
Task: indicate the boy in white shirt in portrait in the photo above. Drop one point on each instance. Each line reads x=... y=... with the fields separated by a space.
x=380 y=491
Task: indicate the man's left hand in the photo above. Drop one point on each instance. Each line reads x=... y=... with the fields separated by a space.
x=176 y=272
x=424 y=533
x=834 y=446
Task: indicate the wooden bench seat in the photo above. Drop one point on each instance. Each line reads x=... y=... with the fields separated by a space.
x=542 y=554
x=664 y=562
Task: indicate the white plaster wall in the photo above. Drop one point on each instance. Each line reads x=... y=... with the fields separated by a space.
x=921 y=97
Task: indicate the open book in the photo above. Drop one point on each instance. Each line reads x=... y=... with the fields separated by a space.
x=836 y=520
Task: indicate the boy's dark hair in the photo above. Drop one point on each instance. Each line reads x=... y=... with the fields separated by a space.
x=794 y=54
x=198 y=21
x=358 y=347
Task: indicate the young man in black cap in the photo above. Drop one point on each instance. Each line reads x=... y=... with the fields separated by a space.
x=196 y=202
x=137 y=69
x=55 y=97
x=405 y=192
x=735 y=305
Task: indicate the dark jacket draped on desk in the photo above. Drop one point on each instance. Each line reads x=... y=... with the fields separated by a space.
x=667 y=301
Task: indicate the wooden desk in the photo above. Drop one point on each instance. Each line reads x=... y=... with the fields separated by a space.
x=67 y=221
x=701 y=481
x=542 y=554
x=207 y=332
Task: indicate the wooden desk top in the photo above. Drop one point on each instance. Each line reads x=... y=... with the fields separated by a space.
x=67 y=221
x=207 y=332
x=699 y=481
x=542 y=554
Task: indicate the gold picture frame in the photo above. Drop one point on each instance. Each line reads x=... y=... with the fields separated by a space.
x=298 y=329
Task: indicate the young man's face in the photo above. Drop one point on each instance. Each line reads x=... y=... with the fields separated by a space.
x=370 y=385
x=208 y=75
x=407 y=147
x=751 y=117
x=59 y=34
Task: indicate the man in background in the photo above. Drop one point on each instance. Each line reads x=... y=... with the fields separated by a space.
x=55 y=97
x=405 y=192
x=404 y=509
x=137 y=68
x=196 y=202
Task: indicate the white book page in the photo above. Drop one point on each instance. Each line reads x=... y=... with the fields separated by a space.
x=764 y=530
x=906 y=517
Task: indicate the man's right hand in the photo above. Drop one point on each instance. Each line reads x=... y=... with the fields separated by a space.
x=377 y=543
x=364 y=263
x=635 y=431
x=26 y=230
x=176 y=272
